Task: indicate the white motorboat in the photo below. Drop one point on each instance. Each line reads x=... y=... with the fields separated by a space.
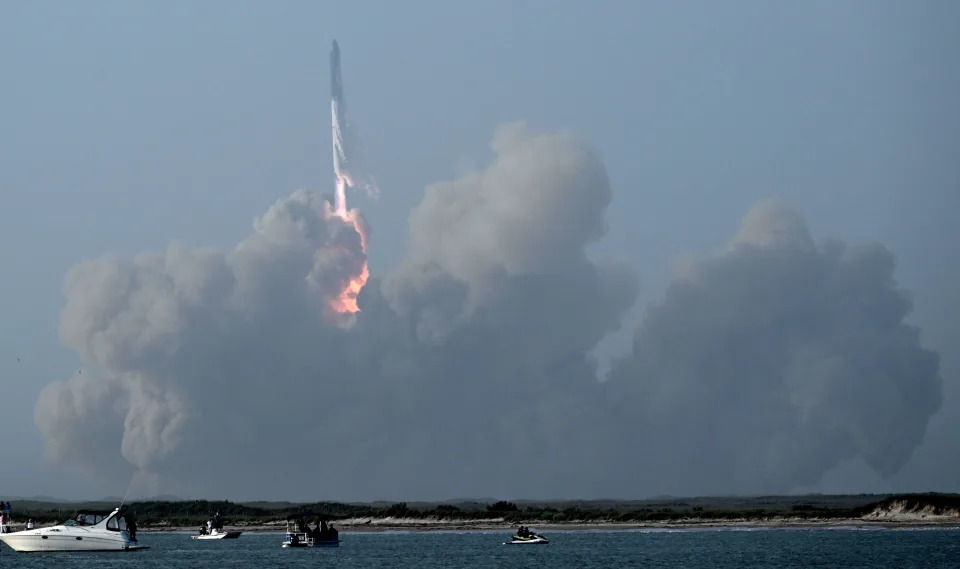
x=214 y=530
x=90 y=531
x=300 y=534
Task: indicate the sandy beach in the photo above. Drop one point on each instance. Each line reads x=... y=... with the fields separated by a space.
x=426 y=525
x=893 y=512
x=381 y=525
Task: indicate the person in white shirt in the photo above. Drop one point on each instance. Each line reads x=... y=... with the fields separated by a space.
x=29 y=524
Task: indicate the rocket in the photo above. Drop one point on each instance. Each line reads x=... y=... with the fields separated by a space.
x=336 y=82
x=338 y=116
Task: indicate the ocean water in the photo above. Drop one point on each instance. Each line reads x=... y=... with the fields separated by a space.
x=724 y=548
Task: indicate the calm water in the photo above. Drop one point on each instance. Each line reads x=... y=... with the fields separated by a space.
x=568 y=550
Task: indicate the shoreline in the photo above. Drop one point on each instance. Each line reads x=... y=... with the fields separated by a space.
x=376 y=526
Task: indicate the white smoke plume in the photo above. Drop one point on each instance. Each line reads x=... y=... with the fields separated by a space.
x=466 y=371
x=773 y=362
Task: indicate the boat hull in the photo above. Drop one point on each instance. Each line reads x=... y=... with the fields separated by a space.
x=311 y=543
x=222 y=535
x=529 y=541
x=35 y=541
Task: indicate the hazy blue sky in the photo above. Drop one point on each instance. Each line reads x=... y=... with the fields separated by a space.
x=128 y=125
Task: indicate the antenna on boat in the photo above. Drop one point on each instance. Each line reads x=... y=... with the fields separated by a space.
x=130 y=485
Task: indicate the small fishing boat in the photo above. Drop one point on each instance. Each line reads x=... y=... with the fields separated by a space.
x=218 y=534
x=214 y=530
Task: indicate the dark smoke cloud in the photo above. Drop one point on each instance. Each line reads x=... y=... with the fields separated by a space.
x=467 y=372
x=773 y=362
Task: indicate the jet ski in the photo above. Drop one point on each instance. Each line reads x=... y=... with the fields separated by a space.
x=532 y=539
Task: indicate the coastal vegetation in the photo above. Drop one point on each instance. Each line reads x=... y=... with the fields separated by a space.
x=179 y=513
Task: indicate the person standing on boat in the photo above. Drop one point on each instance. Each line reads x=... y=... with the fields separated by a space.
x=30 y=524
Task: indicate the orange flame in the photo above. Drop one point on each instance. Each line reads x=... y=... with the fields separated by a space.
x=346 y=301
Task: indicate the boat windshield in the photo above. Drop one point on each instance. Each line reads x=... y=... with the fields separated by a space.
x=86 y=519
x=117 y=523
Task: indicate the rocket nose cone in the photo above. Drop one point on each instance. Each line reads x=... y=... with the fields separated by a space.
x=335 y=48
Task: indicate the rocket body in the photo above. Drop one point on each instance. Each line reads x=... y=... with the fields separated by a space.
x=338 y=117
x=339 y=150
x=336 y=81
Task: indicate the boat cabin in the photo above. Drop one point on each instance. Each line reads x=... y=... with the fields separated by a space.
x=112 y=521
x=300 y=534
